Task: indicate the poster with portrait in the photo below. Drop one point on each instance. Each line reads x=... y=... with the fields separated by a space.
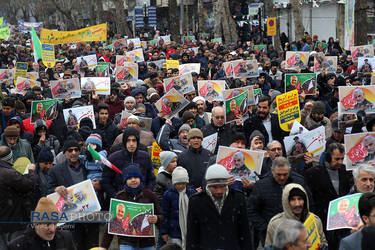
x=259 y=49
x=190 y=67
x=137 y=54
x=257 y=94
x=228 y=69
x=127 y=73
x=189 y=40
x=329 y=62
x=230 y=93
x=208 y=89
x=43 y=109
x=68 y=87
x=124 y=117
x=366 y=67
x=171 y=103
x=119 y=43
x=73 y=116
x=133 y=43
x=23 y=84
x=209 y=142
x=296 y=59
x=359 y=149
x=320 y=47
x=218 y=40
x=158 y=63
x=311 y=142
x=241 y=162
x=102 y=69
x=361 y=51
x=236 y=106
x=101 y=85
x=86 y=62
x=304 y=82
x=7 y=74
x=297 y=129
x=80 y=201
x=247 y=68
x=120 y=60
x=145 y=123
x=32 y=75
x=288 y=109
x=343 y=212
x=355 y=98
x=164 y=40
x=130 y=219
x=183 y=83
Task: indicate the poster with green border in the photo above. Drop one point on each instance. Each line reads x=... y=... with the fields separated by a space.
x=102 y=69
x=45 y=110
x=236 y=106
x=260 y=48
x=305 y=82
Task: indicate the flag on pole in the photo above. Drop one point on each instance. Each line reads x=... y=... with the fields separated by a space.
x=104 y=160
x=36 y=46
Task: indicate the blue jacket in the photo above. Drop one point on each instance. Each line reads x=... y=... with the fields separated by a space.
x=170 y=207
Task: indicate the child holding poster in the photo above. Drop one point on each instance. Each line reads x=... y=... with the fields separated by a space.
x=133 y=191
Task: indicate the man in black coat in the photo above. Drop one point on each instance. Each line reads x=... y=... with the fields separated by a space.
x=105 y=125
x=329 y=181
x=266 y=198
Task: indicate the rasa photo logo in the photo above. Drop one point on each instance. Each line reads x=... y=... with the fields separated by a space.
x=49 y=217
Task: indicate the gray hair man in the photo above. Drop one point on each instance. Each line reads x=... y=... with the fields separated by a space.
x=363 y=179
x=274 y=149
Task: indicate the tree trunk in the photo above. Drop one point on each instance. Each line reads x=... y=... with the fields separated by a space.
x=201 y=28
x=360 y=23
x=174 y=20
x=120 y=15
x=217 y=29
x=297 y=17
x=233 y=36
x=225 y=26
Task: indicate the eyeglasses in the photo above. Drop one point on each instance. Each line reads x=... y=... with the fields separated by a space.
x=219 y=117
x=276 y=149
x=70 y=150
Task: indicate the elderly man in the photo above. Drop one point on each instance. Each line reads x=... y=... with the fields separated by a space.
x=265 y=200
x=19 y=147
x=116 y=225
x=364 y=176
x=274 y=149
x=317 y=118
x=361 y=100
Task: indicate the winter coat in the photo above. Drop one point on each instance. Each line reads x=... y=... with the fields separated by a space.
x=195 y=162
x=23 y=135
x=170 y=207
x=162 y=184
x=22 y=149
x=145 y=196
x=51 y=140
x=288 y=214
x=95 y=168
x=165 y=143
x=158 y=122
x=112 y=182
x=108 y=131
x=58 y=127
x=325 y=122
x=114 y=107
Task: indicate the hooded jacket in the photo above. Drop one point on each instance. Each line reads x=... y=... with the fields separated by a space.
x=23 y=134
x=112 y=182
x=51 y=140
x=21 y=149
x=150 y=111
x=288 y=214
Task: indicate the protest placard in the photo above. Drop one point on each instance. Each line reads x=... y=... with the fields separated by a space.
x=127 y=73
x=145 y=123
x=24 y=84
x=89 y=34
x=7 y=74
x=120 y=60
x=312 y=232
x=158 y=63
x=320 y=47
x=259 y=49
x=130 y=219
x=48 y=55
x=119 y=43
x=101 y=85
x=133 y=43
x=144 y=44
x=355 y=98
x=208 y=89
x=183 y=83
x=68 y=87
x=288 y=109
x=155 y=157
x=84 y=62
x=32 y=75
x=189 y=67
x=21 y=69
x=361 y=51
x=73 y=116
x=297 y=128
x=164 y=40
x=171 y=103
x=4 y=32
x=305 y=82
x=236 y=106
x=80 y=201
x=137 y=54
x=366 y=67
x=257 y=94
x=330 y=64
x=228 y=69
x=153 y=43
x=359 y=149
x=173 y=64
x=296 y=59
x=230 y=93
x=310 y=142
x=21 y=165
x=43 y=109
x=203 y=36
x=247 y=68
x=124 y=117
x=209 y=142
x=343 y=212
x=217 y=40
x=102 y=69
x=189 y=40
x=240 y=162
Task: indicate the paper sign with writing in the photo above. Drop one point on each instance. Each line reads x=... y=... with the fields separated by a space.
x=164 y=40
x=137 y=54
x=212 y=89
x=48 y=55
x=305 y=82
x=68 y=87
x=21 y=165
x=296 y=59
x=359 y=150
x=183 y=83
x=171 y=103
x=312 y=232
x=73 y=116
x=245 y=68
x=4 y=32
x=120 y=60
x=209 y=142
x=84 y=62
x=101 y=85
x=7 y=74
x=127 y=73
x=25 y=84
x=134 y=43
x=190 y=67
x=355 y=98
x=288 y=109
x=102 y=69
x=343 y=212
x=330 y=64
x=173 y=64
x=21 y=69
x=361 y=51
x=43 y=109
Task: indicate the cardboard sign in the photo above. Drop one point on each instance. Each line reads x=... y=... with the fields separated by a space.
x=330 y=65
x=247 y=68
x=209 y=142
x=137 y=54
x=235 y=106
x=183 y=83
x=21 y=69
x=208 y=89
x=312 y=231
x=101 y=85
x=296 y=59
x=361 y=51
x=84 y=62
x=24 y=84
x=171 y=103
x=343 y=212
x=288 y=109
x=74 y=115
x=173 y=64
x=48 y=55
x=127 y=73
x=190 y=67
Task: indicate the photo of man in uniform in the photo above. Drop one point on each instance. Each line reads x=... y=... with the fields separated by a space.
x=342 y=218
x=298 y=62
x=211 y=92
x=361 y=100
x=231 y=116
x=293 y=84
x=39 y=109
x=116 y=224
x=369 y=144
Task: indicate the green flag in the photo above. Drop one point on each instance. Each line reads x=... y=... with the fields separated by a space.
x=37 y=48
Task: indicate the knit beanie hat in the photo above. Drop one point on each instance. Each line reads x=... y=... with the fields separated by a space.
x=133 y=119
x=85 y=132
x=257 y=133
x=237 y=137
x=217 y=175
x=45 y=155
x=166 y=157
x=184 y=127
x=20 y=105
x=297 y=192
x=96 y=139
x=70 y=143
x=86 y=122
x=180 y=175
x=129 y=99
x=318 y=108
x=11 y=131
x=187 y=115
x=132 y=170
x=274 y=94
x=195 y=132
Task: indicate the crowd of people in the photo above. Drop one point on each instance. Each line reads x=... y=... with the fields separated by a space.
x=197 y=203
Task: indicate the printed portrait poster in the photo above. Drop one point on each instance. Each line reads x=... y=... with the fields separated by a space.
x=153 y=43
x=247 y=68
x=145 y=123
x=101 y=85
x=44 y=109
x=297 y=129
x=310 y=142
x=183 y=83
x=127 y=73
x=230 y=93
x=32 y=75
x=212 y=89
x=190 y=67
x=354 y=98
x=120 y=60
x=124 y=117
x=73 y=116
x=134 y=43
x=296 y=59
x=209 y=142
x=356 y=152
x=304 y=82
x=189 y=40
x=288 y=109
x=158 y=63
x=343 y=212
x=366 y=67
x=217 y=40
x=259 y=49
x=102 y=69
x=80 y=201
x=320 y=47
x=68 y=87
x=236 y=106
x=361 y=51
x=171 y=103
x=241 y=162
x=137 y=54
x=7 y=74
x=257 y=94
x=119 y=43
x=320 y=61
x=228 y=69
x=24 y=84
x=84 y=62
x=312 y=232
x=164 y=40
x=144 y=44
x=130 y=219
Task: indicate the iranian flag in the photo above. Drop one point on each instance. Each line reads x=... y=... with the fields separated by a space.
x=36 y=46
x=104 y=160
